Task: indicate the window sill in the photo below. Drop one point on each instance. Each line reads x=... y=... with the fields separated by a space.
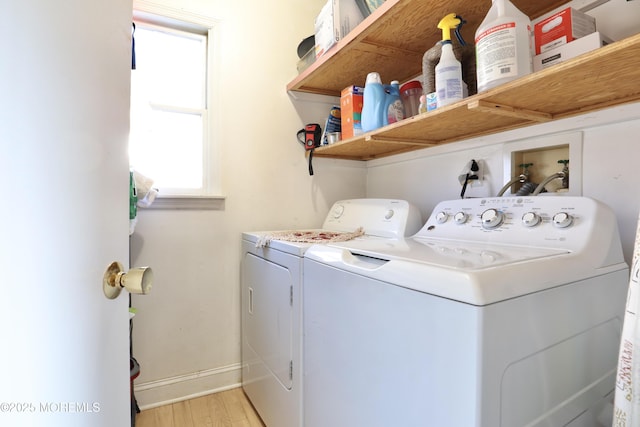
x=188 y=203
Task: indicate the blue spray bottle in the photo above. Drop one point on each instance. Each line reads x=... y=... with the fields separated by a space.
x=373 y=102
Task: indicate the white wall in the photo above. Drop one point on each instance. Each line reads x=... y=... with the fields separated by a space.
x=187 y=331
x=610 y=153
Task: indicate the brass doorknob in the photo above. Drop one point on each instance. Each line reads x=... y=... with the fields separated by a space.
x=137 y=281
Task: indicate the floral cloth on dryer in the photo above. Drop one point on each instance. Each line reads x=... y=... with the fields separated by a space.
x=310 y=236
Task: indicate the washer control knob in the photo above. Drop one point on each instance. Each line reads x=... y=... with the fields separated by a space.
x=460 y=218
x=338 y=211
x=442 y=217
x=491 y=218
x=389 y=214
x=530 y=219
x=562 y=220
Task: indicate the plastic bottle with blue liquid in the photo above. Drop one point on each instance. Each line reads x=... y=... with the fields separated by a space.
x=393 y=109
x=381 y=104
x=372 y=103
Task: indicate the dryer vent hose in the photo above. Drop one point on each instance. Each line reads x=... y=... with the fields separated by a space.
x=541 y=188
x=527 y=188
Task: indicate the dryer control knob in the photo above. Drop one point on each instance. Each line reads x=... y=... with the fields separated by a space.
x=338 y=210
x=562 y=220
x=491 y=218
x=389 y=214
x=460 y=218
x=530 y=219
x=442 y=217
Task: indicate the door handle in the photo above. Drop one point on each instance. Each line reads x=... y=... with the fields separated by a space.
x=137 y=281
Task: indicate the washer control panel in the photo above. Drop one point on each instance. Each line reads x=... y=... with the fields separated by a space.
x=542 y=221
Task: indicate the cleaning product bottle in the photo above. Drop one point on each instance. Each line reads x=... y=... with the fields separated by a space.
x=422 y=108
x=449 y=70
x=133 y=196
x=393 y=110
x=373 y=100
x=503 y=46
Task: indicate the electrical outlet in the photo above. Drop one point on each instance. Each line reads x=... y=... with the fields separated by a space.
x=474 y=169
x=472 y=175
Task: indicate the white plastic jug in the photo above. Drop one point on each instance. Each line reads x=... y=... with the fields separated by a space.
x=503 y=46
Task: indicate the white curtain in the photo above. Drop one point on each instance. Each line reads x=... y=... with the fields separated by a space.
x=627 y=396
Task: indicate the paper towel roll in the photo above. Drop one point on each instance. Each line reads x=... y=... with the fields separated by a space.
x=144 y=187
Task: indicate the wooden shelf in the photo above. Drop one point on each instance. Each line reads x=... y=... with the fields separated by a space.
x=393 y=40
x=599 y=79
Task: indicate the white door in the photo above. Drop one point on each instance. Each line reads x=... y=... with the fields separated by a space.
x=64 y=119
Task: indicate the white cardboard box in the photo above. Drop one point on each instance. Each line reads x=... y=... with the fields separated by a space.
x=336 y=19
x=560 y=28
x=570 y=50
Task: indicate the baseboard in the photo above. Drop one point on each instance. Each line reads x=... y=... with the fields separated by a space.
x=183 y=387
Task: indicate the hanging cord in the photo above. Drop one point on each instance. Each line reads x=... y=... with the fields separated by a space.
x=311 y=162
x=470 y=177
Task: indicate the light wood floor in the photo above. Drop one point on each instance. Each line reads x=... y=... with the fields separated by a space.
x=225 y=409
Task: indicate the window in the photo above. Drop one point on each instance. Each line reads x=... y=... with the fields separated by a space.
x=171 y=140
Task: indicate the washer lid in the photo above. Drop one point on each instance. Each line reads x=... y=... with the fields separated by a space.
x=473 y=274
x=442 y=253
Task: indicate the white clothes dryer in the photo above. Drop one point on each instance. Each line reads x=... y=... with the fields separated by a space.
x=498 y=312
x=271 y=281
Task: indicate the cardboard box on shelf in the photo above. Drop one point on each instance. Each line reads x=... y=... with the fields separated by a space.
x=336 y=19
x=561 y=28
x=351 y=110
x=570 y=50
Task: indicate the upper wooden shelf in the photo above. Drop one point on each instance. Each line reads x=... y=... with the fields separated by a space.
x=393 y=40
x=599 y=79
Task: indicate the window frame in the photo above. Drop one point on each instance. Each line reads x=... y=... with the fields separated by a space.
x=210 y=196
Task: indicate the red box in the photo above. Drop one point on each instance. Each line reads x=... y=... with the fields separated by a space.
x=351 y=111
x=561 y=28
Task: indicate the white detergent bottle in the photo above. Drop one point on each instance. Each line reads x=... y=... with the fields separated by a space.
x=503 y=46
x=448 y=72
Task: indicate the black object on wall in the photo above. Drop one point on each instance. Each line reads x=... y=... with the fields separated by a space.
x=133 y=46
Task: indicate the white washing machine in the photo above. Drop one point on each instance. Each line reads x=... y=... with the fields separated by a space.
x=498 y=312
x=271 y=301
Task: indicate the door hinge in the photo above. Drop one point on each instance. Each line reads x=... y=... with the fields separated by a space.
x=291 y=370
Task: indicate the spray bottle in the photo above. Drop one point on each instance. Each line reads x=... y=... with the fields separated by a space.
x=449 y=84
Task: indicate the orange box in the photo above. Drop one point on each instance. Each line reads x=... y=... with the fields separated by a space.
x=561 y=28
x=351 y=109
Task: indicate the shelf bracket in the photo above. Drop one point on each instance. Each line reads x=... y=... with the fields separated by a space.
x=506 y=110
x=403 y=141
